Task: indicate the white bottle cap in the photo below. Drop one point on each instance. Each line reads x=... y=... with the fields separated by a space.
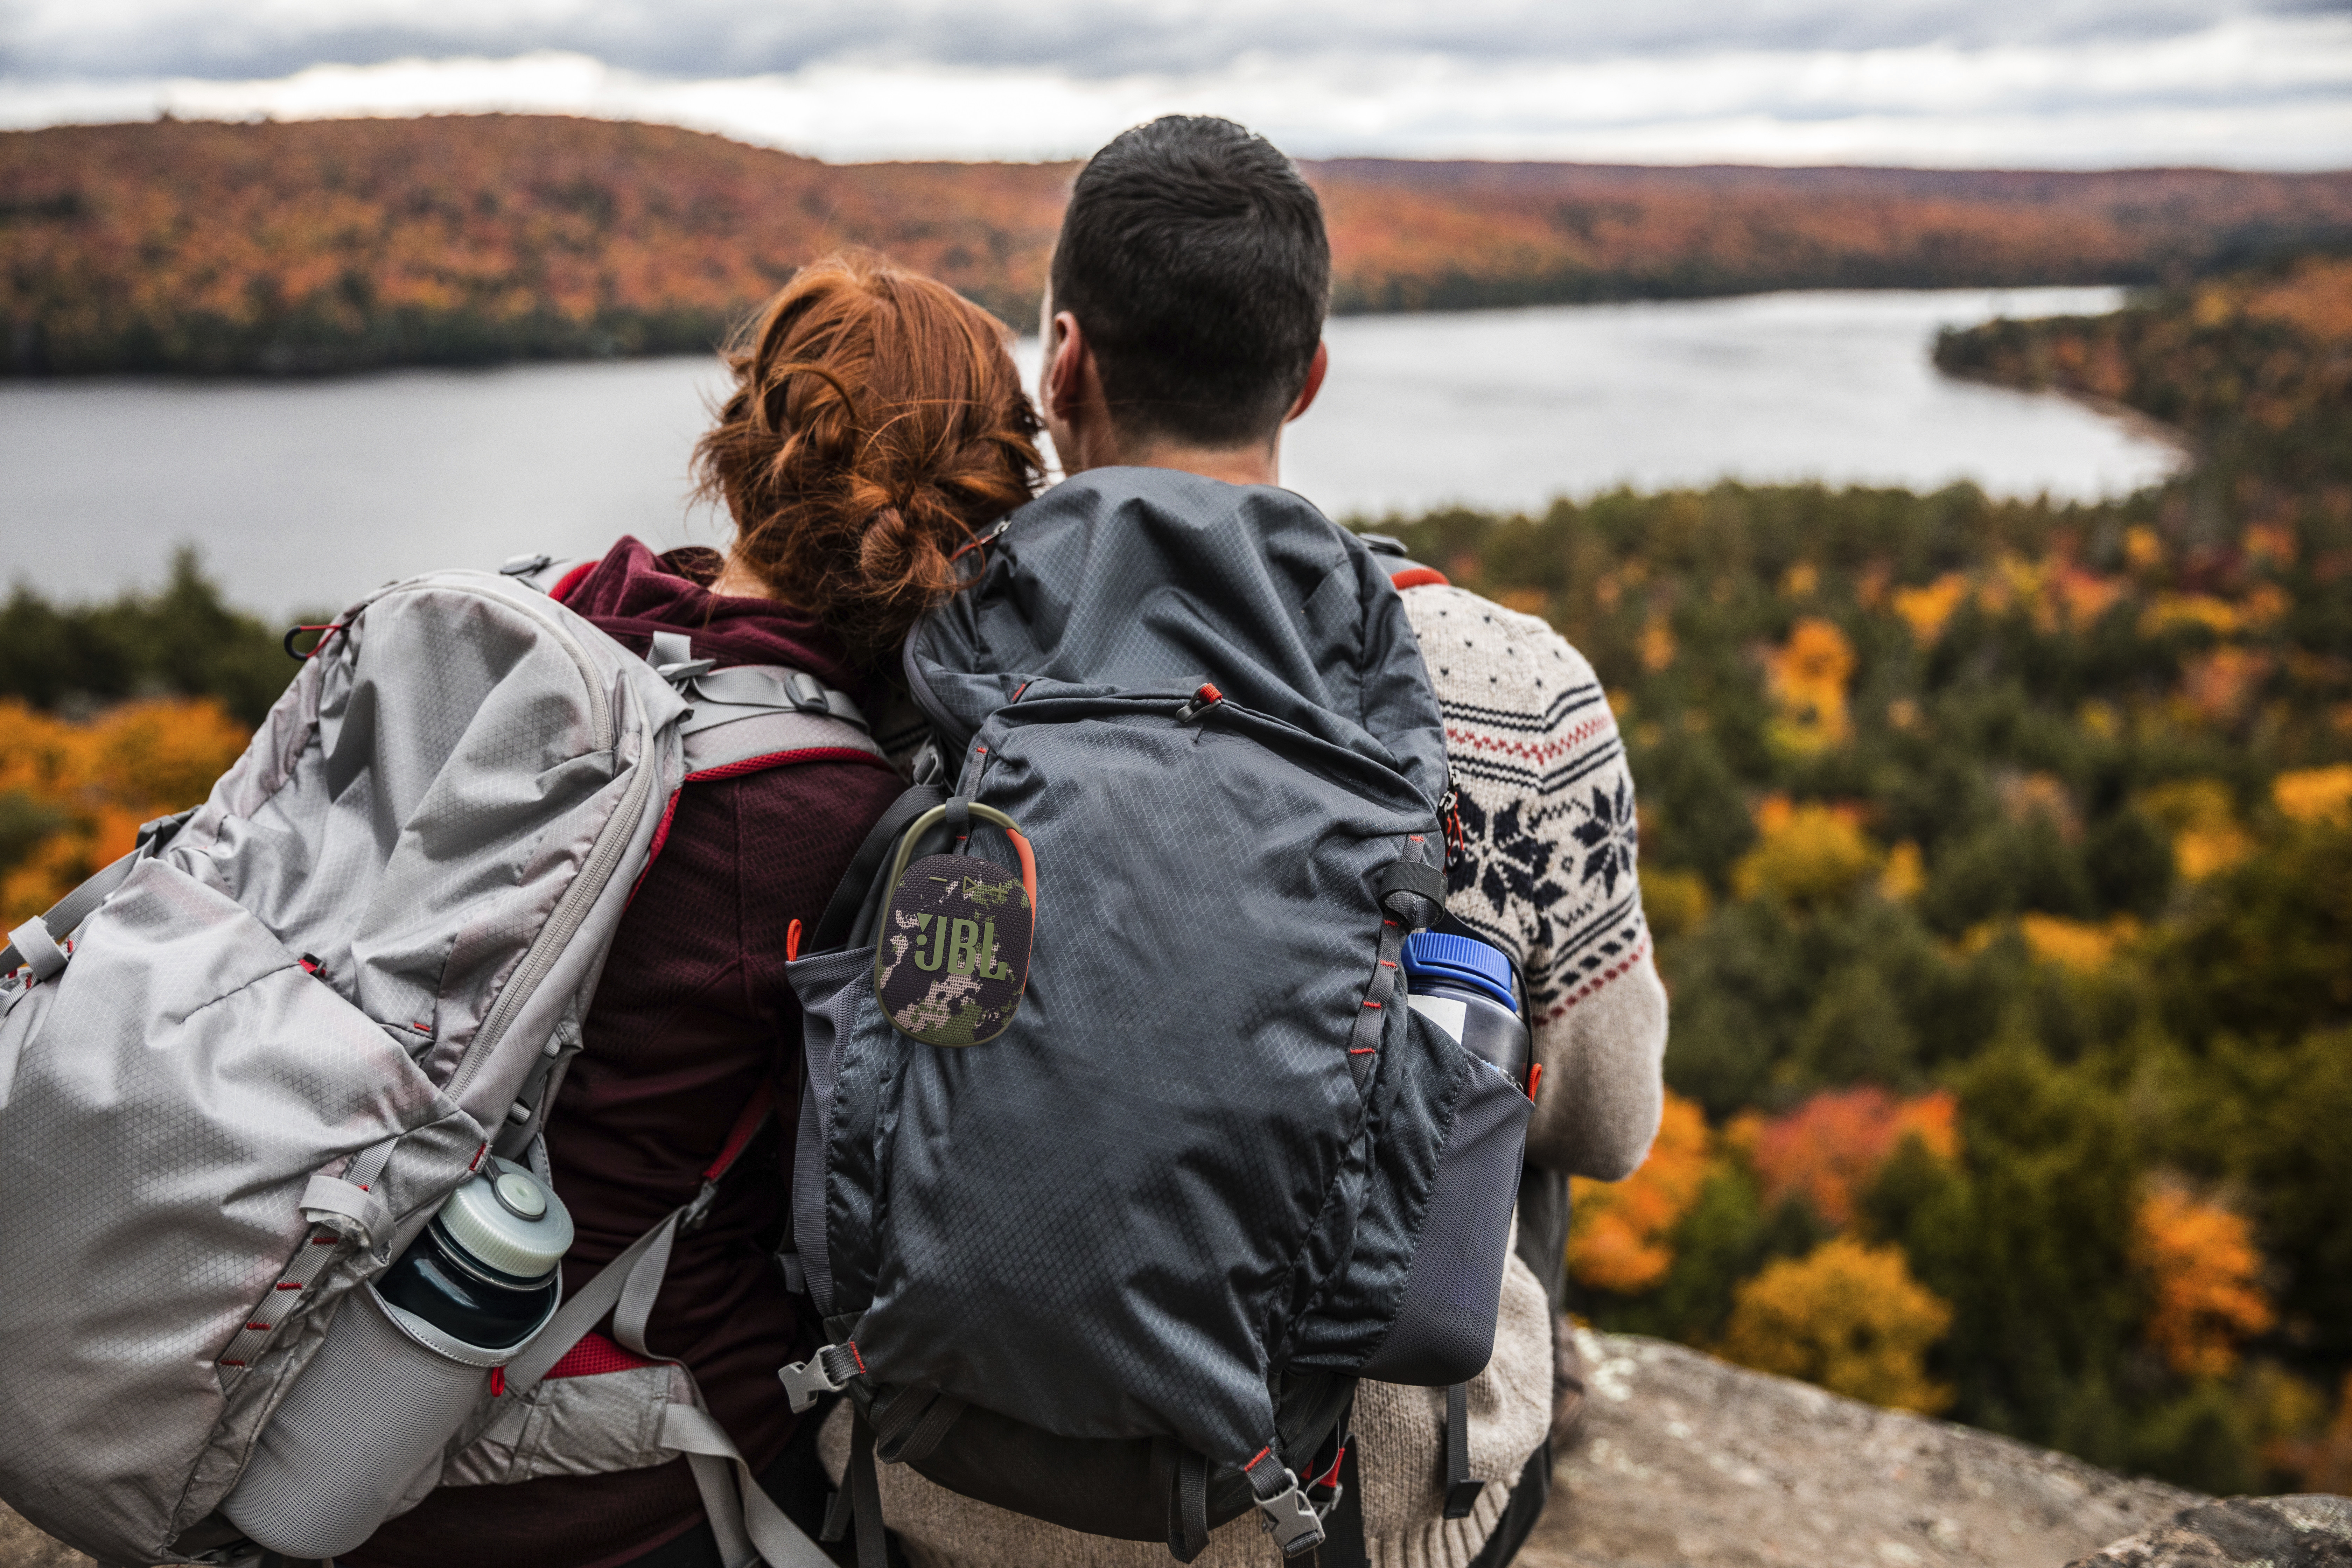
x=509 y=1220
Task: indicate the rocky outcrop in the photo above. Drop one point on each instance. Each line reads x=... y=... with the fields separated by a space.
x=1689 y=1462
x=2244 y=1532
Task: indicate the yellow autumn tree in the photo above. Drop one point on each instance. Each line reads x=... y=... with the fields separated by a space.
x=2203 y=822
x=1924 y=610
x=2315 y=794
x=1617 y=1238
x=2201 y=1267
x=1807 y=678
x=1807 y=853
x=1848 y=1316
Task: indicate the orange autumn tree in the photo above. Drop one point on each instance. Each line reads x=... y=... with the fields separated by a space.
x=98 y=781
x=1617 y=1238
x=2202 y=1267
x=1831 y=1148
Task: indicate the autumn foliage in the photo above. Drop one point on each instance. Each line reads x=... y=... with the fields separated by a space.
x=2203 y=1270
x=1847 y=1316
x=84 y=788
x=1618 y=1239
x=1832 y=1147
x=1999 y=858
x=341 y=244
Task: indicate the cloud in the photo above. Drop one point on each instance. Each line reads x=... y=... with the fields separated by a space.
x=2069 y=83
x=224 y=39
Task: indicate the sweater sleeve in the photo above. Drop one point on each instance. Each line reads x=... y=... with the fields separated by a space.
x=1548 y=871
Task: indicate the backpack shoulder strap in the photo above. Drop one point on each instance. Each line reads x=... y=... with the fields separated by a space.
x=752 y=716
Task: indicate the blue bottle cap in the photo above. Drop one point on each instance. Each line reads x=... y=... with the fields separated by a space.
x=1461 y=960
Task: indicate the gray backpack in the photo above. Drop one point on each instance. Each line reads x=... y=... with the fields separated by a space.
x=242 y=1068
x=1120 y=1157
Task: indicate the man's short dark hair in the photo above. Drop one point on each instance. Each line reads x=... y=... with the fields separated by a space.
x=1193 y=256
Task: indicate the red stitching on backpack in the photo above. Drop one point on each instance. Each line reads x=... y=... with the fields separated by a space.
x=289 y=1285
x=263 y=1327
x=227 y=1362
x=1371 y=1004
x=1362 y=1050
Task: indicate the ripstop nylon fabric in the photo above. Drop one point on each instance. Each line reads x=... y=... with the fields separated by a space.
x=1163 y=1211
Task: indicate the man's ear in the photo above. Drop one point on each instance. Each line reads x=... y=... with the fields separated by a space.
x=1064 y=386
x=1315 y=369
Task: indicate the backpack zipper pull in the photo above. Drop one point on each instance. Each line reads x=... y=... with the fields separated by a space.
x=1202 y=700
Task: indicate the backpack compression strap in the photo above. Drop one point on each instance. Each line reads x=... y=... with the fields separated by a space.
x=752 y=716
x=749 y=1525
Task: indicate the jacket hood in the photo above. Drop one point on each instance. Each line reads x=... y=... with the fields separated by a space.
x=633 y=593
x=1155 y=580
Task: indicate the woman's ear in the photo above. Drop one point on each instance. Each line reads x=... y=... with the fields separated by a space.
x=1315 y=369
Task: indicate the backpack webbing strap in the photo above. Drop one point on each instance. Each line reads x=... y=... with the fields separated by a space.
x=832 y=928
x=1461 y=1489
x=1343 y=1521
x=721 y=695
x=1188 y=1506
x=767 y=737
x=1411 y=893
x=626 y=1286
x=866 y=1496
x=913 y=1425
x=37 y=944
x=749 y=1525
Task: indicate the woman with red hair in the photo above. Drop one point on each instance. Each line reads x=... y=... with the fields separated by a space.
x=875 y=426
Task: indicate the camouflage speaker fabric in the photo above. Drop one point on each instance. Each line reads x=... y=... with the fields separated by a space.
x=954 y=956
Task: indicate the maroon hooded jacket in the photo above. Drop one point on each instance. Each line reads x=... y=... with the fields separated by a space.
x=691 y=1014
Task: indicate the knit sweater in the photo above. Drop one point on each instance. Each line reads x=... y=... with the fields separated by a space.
x=1546 y=873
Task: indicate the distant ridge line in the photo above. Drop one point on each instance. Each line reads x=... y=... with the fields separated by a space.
x=302 y=247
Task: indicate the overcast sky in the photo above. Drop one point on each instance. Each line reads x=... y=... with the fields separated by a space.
x=2064 y=83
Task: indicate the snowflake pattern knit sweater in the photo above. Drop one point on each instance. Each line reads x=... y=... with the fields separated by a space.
x=1547 y=807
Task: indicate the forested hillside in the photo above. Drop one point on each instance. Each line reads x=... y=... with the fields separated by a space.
x=1999 y=856
x=338 y=244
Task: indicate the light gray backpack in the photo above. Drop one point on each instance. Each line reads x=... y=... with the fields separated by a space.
x=241 y=1069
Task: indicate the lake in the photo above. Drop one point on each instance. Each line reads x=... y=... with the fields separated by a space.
x=302 y=495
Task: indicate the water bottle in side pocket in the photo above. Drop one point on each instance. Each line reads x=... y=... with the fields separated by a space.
x=408 y=1358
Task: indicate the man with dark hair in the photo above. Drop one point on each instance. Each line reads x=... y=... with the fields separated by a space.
x=1183 y=332
x=1190 y=283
